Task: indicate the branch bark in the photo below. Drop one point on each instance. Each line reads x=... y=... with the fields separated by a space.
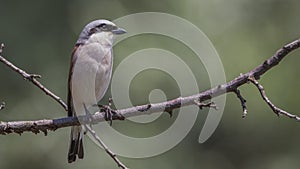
x=168 y=106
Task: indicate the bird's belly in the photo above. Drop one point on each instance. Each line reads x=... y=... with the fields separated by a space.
x=91 y=75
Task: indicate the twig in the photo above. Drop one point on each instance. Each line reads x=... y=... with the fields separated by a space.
x=88 y=127
x=275 y=109
x=107 y=150
x=243 y=102
x=1 y=47
x=32 y=79
x=2 y=105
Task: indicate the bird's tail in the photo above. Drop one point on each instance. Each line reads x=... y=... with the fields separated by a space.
x=76 y=146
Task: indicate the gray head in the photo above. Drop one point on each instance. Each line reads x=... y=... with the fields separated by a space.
x=96 y=27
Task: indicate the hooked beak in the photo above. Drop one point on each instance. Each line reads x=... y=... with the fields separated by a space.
x=118 y=31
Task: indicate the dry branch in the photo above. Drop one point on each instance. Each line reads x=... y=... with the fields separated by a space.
x=168 y=106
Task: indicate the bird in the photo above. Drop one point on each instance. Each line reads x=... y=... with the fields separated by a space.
x=89 y=75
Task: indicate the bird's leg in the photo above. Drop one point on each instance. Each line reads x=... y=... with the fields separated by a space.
x=109 y=113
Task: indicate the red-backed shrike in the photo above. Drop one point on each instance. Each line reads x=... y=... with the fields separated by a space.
x=89 y=75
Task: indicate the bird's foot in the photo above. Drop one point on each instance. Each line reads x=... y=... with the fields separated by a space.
x=109 y=113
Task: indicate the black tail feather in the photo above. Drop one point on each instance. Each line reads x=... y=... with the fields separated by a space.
x=75 y=149
x=72 y=152
x=80 y=152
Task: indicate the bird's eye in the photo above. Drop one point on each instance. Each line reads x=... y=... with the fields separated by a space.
x=92 y=31
x=102 y=25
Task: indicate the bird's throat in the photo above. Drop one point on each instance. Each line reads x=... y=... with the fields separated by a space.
x=104 y=38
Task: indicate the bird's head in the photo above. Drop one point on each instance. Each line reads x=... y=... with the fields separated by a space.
x=101 y=28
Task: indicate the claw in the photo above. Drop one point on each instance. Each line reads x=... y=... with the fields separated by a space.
x=109 y=113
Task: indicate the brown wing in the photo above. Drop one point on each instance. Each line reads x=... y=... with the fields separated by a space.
x=72 y=62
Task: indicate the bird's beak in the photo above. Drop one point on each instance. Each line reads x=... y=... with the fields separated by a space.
x=118 y=31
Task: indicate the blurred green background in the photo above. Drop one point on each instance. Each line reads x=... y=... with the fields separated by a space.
x=39 y=37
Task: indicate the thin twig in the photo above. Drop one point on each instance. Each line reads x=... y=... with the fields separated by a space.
x=88 y=127
x=243 y=102
x=32 y=79
x=2 y=105
x=275 y=109
x=1 y=47
x=107 y=150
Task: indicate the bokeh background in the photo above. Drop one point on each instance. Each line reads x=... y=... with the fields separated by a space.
x=39 y=37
